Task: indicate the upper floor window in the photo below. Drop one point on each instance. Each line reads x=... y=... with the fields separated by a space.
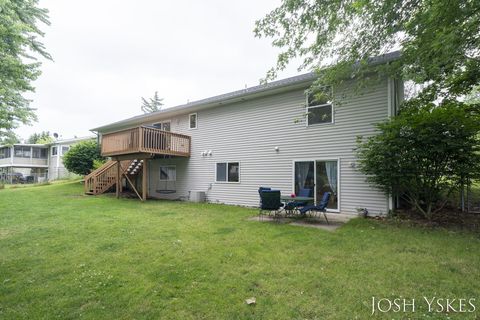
x=4 y=152
x=39 y=153
x=227 y=172
x=22 y=152
x=65 y=149
x=319 y=108
x=192 y=121
x=54 y=151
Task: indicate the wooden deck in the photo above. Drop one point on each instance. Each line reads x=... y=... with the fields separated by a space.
x=145 y=140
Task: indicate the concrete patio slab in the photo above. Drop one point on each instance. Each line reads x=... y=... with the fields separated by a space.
x=336 y=220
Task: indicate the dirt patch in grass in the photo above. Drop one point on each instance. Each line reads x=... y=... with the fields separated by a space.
x=449 y=219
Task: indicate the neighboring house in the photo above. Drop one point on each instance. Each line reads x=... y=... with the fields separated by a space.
x=29 y=163
x=271 y=135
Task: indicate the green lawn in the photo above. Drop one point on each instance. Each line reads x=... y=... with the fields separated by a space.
x=65 y=255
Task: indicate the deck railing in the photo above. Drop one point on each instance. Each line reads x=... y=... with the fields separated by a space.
x=145 y=140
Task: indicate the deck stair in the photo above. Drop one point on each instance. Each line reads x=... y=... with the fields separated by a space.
x=104 y=178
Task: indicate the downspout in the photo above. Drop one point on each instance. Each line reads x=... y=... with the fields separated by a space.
x=390 y=114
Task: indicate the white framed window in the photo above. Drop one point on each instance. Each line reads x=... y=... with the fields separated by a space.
x=22 y=151
x=168 y=173
x=54 y=151
x=65 y=149
x=5 y=152
x=227 y=172
x=192 y=121
x=319 y=108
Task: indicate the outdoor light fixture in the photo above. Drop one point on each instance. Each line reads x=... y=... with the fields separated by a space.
x=209 y=152
x=277 y=149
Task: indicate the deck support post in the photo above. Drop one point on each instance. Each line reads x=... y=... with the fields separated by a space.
x=117 y=182
x=145 y=180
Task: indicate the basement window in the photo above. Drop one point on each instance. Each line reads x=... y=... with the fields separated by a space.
x=168 y=173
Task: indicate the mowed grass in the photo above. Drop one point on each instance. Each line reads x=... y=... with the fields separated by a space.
x=68 y=256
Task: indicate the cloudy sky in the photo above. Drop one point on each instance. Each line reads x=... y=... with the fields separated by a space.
x=110 y=53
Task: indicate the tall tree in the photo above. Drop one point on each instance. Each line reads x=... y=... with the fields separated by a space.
x=439 y=40
x=153 y=104
x=42 y=138
x=19 y=45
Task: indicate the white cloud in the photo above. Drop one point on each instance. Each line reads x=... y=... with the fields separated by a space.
x=107 y=54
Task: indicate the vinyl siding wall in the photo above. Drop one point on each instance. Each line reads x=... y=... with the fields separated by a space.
x=248 y=132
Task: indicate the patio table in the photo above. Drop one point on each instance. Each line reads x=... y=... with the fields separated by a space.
x=296 y=199
x=288 y=198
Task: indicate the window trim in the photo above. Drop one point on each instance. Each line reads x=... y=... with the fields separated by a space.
x=196 y=121
x=56 y=151
x=308 y=106
x=160 y=172
x=23 y=149
x=40 y=153
x=229 y=182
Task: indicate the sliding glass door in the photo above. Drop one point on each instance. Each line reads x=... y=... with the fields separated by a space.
x=314 y=178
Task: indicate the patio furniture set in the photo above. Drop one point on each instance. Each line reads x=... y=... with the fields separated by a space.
x=274 y=204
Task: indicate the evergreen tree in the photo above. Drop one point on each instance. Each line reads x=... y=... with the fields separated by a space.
x=154 y=104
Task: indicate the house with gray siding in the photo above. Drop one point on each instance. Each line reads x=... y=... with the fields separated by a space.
x=32 y=163
x=276 y=135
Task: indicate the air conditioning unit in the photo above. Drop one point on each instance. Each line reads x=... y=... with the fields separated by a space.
x=197 y=196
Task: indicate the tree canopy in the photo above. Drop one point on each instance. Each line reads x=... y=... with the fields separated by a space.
x=152 y=104
x=19 y=44
x=43 y=137
x=439 y=40
x=81 y=157
x=9 y=138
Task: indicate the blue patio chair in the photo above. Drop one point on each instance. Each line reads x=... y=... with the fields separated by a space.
x=270 y=202
x=260 y=193
x=321 y=207
x=263 y=189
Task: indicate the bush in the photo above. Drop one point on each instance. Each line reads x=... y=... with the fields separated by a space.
x=424 y=153
x=97 y=163
x=81 y=157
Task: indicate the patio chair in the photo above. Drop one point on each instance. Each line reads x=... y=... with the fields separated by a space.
x=263 y=189
x=260 y=193
x=270 y=202
x=321 y=207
